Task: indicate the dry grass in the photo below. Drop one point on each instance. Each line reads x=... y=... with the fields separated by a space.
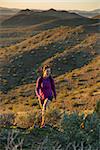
x=69 y=50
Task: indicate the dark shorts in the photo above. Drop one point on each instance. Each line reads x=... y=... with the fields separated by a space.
x=49 y=98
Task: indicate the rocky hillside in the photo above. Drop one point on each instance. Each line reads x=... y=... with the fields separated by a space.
x=70 y=51
x=69 y=43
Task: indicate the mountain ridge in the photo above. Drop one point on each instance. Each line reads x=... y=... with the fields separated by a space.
x=37 y=17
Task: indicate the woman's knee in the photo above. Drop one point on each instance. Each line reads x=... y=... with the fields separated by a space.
x=44 y=108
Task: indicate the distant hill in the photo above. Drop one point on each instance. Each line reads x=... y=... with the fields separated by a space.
x=6 y=13
x=31 y=17
x=4 y=10
x=16 y=17
x=89 y=14
x=96 y=17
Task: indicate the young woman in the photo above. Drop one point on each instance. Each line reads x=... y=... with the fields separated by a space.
x=45 y=90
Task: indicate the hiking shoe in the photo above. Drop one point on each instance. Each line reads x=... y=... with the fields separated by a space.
x=43 y=126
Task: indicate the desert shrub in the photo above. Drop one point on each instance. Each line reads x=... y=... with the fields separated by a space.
x=7 y=119
x=64 y=132
x=70 y=124
x=10 y=140
x=97 y=108
x=47 y=144
x=53 y=116
x=24 y=119
x=37 y=117
x=74 y=133
x=80 y=129
x=33 y=102
x=91 y=127
x=89 y=69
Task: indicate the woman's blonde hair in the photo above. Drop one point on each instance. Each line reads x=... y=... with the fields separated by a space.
x=45 y=67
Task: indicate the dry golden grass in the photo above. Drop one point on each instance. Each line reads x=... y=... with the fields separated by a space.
x=82 y=87
x=64 y=48
x=76 y=91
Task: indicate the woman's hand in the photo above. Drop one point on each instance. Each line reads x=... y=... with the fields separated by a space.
x=40 y=98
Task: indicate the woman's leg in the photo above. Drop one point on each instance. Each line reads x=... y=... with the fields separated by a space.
x=46 y=103
x=41 y=106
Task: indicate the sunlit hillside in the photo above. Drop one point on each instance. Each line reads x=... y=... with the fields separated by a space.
x=69 y=43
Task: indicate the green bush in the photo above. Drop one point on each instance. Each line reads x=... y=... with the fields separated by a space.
x=97 y=108
x=53 y=116
x=7 y=119
x=24 y=120
x=80 y=129
x=73 y=132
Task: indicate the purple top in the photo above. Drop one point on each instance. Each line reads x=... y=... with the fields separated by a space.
x=45 y=87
